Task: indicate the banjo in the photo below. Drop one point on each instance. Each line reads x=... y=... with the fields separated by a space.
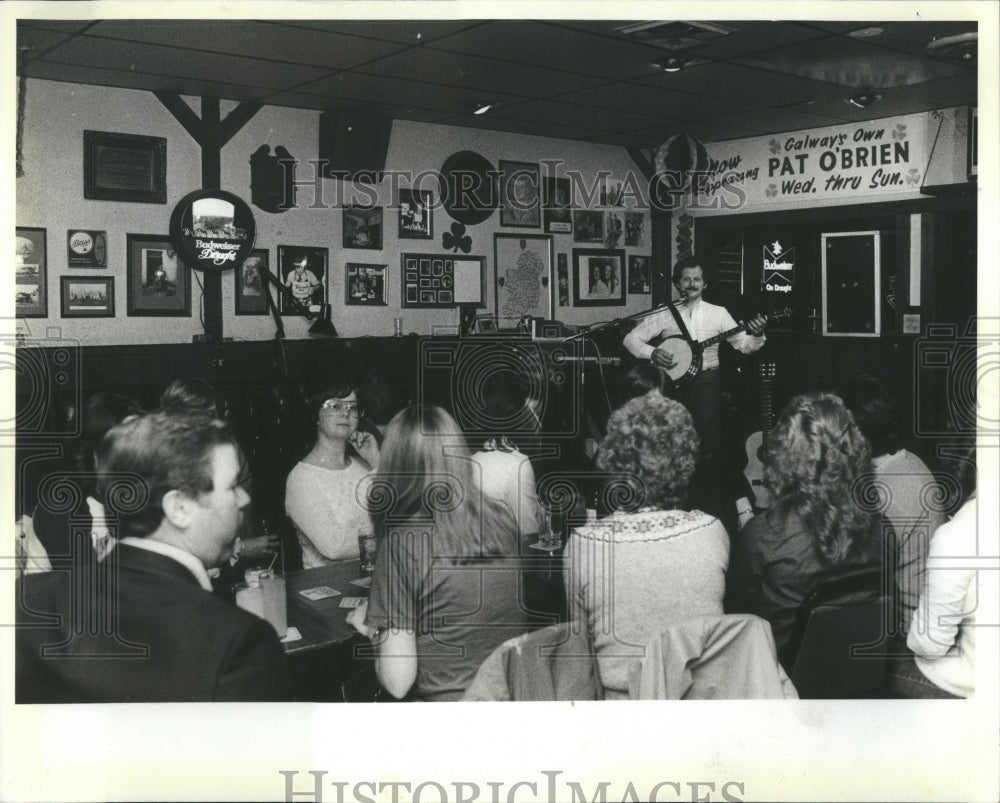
x=687 y=353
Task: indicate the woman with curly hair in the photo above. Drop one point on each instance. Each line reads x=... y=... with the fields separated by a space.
x=815 y=459
x=650 y=564
x=446 y=588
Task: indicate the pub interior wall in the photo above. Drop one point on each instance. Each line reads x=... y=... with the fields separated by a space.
x=50 y=195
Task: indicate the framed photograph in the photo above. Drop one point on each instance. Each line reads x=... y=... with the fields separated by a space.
x=251 y=283
x=124 y=167
x=598 y=278
x=363 y=227
x=364 y=285
x=31 y=273
x=442 y=281
x=635 y=230
x=520 y=191
x=614 y=229
x=639 y=274
x=416 y=218
x=86 y=248
x=562 y=269
x=158 y=281
x=303 y=274
x=557 y=213
x=613 y=192
x=523 y=279
x=588 y=226
x=87 y=296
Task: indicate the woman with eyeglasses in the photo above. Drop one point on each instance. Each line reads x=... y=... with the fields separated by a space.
x=323 y=495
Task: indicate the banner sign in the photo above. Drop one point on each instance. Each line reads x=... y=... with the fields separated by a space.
x=853 y=161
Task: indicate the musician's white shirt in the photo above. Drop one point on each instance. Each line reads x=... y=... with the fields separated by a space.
x=703 y=321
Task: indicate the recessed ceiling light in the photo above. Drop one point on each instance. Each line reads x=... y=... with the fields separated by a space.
x=864 y=100
x=481 y=108
x=867 y=33
x=670 y=63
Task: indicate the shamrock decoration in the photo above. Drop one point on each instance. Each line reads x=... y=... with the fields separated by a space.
x=456 y=238
x=771 y=191
x=899 y=132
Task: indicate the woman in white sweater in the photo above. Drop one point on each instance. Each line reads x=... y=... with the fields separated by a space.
x=325 y=492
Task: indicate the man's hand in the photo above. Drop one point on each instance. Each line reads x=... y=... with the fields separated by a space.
x=755 y=326
x=661 y=359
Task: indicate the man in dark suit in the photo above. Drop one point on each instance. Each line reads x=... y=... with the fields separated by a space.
x=142 y=625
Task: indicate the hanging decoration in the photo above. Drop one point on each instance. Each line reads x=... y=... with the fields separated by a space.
x=456 y=239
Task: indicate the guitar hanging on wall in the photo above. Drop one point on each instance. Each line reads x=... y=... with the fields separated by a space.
x=757 y=442
x=687 y=354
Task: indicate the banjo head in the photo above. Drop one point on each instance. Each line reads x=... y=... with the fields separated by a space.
x=678 y=348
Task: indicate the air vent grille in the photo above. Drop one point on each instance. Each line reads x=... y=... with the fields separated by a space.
x=675 y=35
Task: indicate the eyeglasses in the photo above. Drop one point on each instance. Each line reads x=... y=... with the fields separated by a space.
x=339 y=407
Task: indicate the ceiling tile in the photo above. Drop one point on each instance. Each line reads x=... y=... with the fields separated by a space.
x=404 y=32
x=545 y=111
x=913 y=37
x=490 y=75
x=746 y=85
x=654 y=101
x=401 y=92
x=752 y=36
x=554 y=130
x=129 y=79
x=851 y=62
x=39 y=40
x=554 y=47
x=957 y=91
x=706 y=131
x=772 y=120
x=261 y=40
x=181 y=63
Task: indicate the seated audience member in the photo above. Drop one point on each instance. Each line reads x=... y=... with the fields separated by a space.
x=942 y=634
x=324 y=495
x=814 y=529
x=166 y=638
x=384 y=392
x=197 y=397
x=447 y=578
x=910 y=494
x=506 y=475
x=632 y=574
x=51 y=522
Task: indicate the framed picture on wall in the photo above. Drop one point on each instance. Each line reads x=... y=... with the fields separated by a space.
x=86 y=248
x=557 y=212
x=598 y=278
x=364 y=285
x=158 y=281
x=523 y=276
x=124 y=167
x=588 y=226
x=87 y=296
x=442 y=280
x=520 y=202
x=563 y=279
x=303 y=273
x=30 y=273
x=639 y=274
x=363 y=227
x=251 y=284
x=416 y=217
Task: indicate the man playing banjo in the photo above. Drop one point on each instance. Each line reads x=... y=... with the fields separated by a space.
x=702 y=394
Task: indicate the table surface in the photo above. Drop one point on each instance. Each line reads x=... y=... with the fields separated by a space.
x=321 y=622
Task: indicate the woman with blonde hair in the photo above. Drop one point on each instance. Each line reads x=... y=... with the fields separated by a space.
x=446 y=588
x=814 y=467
